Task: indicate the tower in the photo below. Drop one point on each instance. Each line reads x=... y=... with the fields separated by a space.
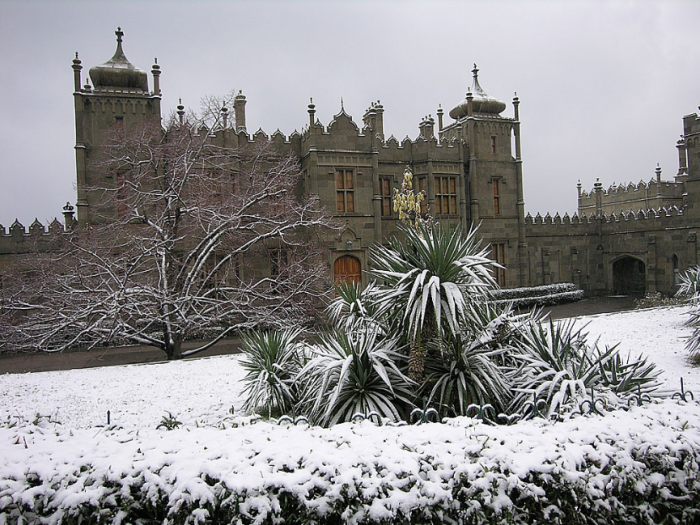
x=118 y=98
x=493 y=175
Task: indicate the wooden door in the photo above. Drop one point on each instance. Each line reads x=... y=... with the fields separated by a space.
x=347 y=269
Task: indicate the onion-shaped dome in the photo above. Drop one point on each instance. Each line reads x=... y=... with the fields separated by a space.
x=118 y=72
x=481 y=101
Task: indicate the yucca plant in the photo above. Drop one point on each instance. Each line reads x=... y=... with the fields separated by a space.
x=465 y=371
x=555 y=365
x=559 y=367
x=625 y=376
x=271 y=361
x=428 y=283
x=690 y=289
x=473 y=367
x=689 y=285
x=353 y=306
x=354 y=373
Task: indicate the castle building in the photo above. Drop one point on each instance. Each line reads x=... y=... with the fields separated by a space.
x=632 y=238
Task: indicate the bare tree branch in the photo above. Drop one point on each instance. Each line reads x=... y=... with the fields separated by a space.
x=191 y=240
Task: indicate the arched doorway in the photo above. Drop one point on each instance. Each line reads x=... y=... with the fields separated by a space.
x=629 y=276
x=347 y=269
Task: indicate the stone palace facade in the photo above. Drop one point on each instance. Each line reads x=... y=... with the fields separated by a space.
x=625 y=239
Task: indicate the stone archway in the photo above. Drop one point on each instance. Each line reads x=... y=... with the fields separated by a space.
x=629 y=276
x=347 y=269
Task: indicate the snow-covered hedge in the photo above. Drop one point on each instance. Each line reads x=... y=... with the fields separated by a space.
x=641 y=466
x=546 y=295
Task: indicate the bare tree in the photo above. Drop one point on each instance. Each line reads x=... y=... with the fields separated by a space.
x=193 y=241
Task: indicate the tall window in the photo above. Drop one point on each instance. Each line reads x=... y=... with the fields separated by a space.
x=496 y=196
x=676 y=270
x=445 y=195
x=345 y=191
x=498 y=254
x=423 y=188
x=213 y=275
x=493 y=145
x=278 y=262
x=235 y=266
x=385 y=189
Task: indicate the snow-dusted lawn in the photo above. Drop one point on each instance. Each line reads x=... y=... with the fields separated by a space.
x=203 y=391
x=373 y=472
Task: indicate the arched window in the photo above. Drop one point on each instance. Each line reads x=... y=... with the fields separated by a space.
x=347 y=269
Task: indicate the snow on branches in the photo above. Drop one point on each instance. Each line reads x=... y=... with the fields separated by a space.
x=188 y=239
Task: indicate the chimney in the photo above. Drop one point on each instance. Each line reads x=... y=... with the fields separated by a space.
x=76 y=72
x=155 y=70
x=239 y=111
x=68 y=219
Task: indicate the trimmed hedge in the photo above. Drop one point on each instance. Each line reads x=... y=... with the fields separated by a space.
x=640 y=466
x=546 y=295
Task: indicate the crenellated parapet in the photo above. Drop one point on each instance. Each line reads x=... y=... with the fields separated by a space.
x=642 y=186
x=342 y=133
x=668 y=214
x=20 y=239
x=619 y=198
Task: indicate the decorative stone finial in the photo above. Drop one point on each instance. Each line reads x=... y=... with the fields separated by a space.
x=181 y=111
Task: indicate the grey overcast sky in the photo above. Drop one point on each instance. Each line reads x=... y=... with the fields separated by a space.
x=603 y=84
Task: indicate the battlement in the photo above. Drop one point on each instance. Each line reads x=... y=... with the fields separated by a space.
x=641 y=214
x=653 y=218
x=622 y=198
x=624 y=189
x=343 y=125
x=17 y=229
x=20 y=239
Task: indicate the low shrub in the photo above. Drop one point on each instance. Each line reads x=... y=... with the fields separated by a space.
x=547 y=295
x=640 y=467
x=656 y=299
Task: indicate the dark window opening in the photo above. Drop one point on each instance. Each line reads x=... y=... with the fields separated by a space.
x=498 y=254
x=445 y=195
x=345 y=191
x=496 y=196
x=385 y=191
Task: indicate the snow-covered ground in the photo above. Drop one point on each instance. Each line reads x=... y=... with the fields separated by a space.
x=68 y=461
x=203 y=391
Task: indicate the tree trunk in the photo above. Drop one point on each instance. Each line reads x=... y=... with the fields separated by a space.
x=416 y=357
x=172 y=345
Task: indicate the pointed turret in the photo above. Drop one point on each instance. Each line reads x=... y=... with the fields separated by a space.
x=118 y=73
x=481 y=102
